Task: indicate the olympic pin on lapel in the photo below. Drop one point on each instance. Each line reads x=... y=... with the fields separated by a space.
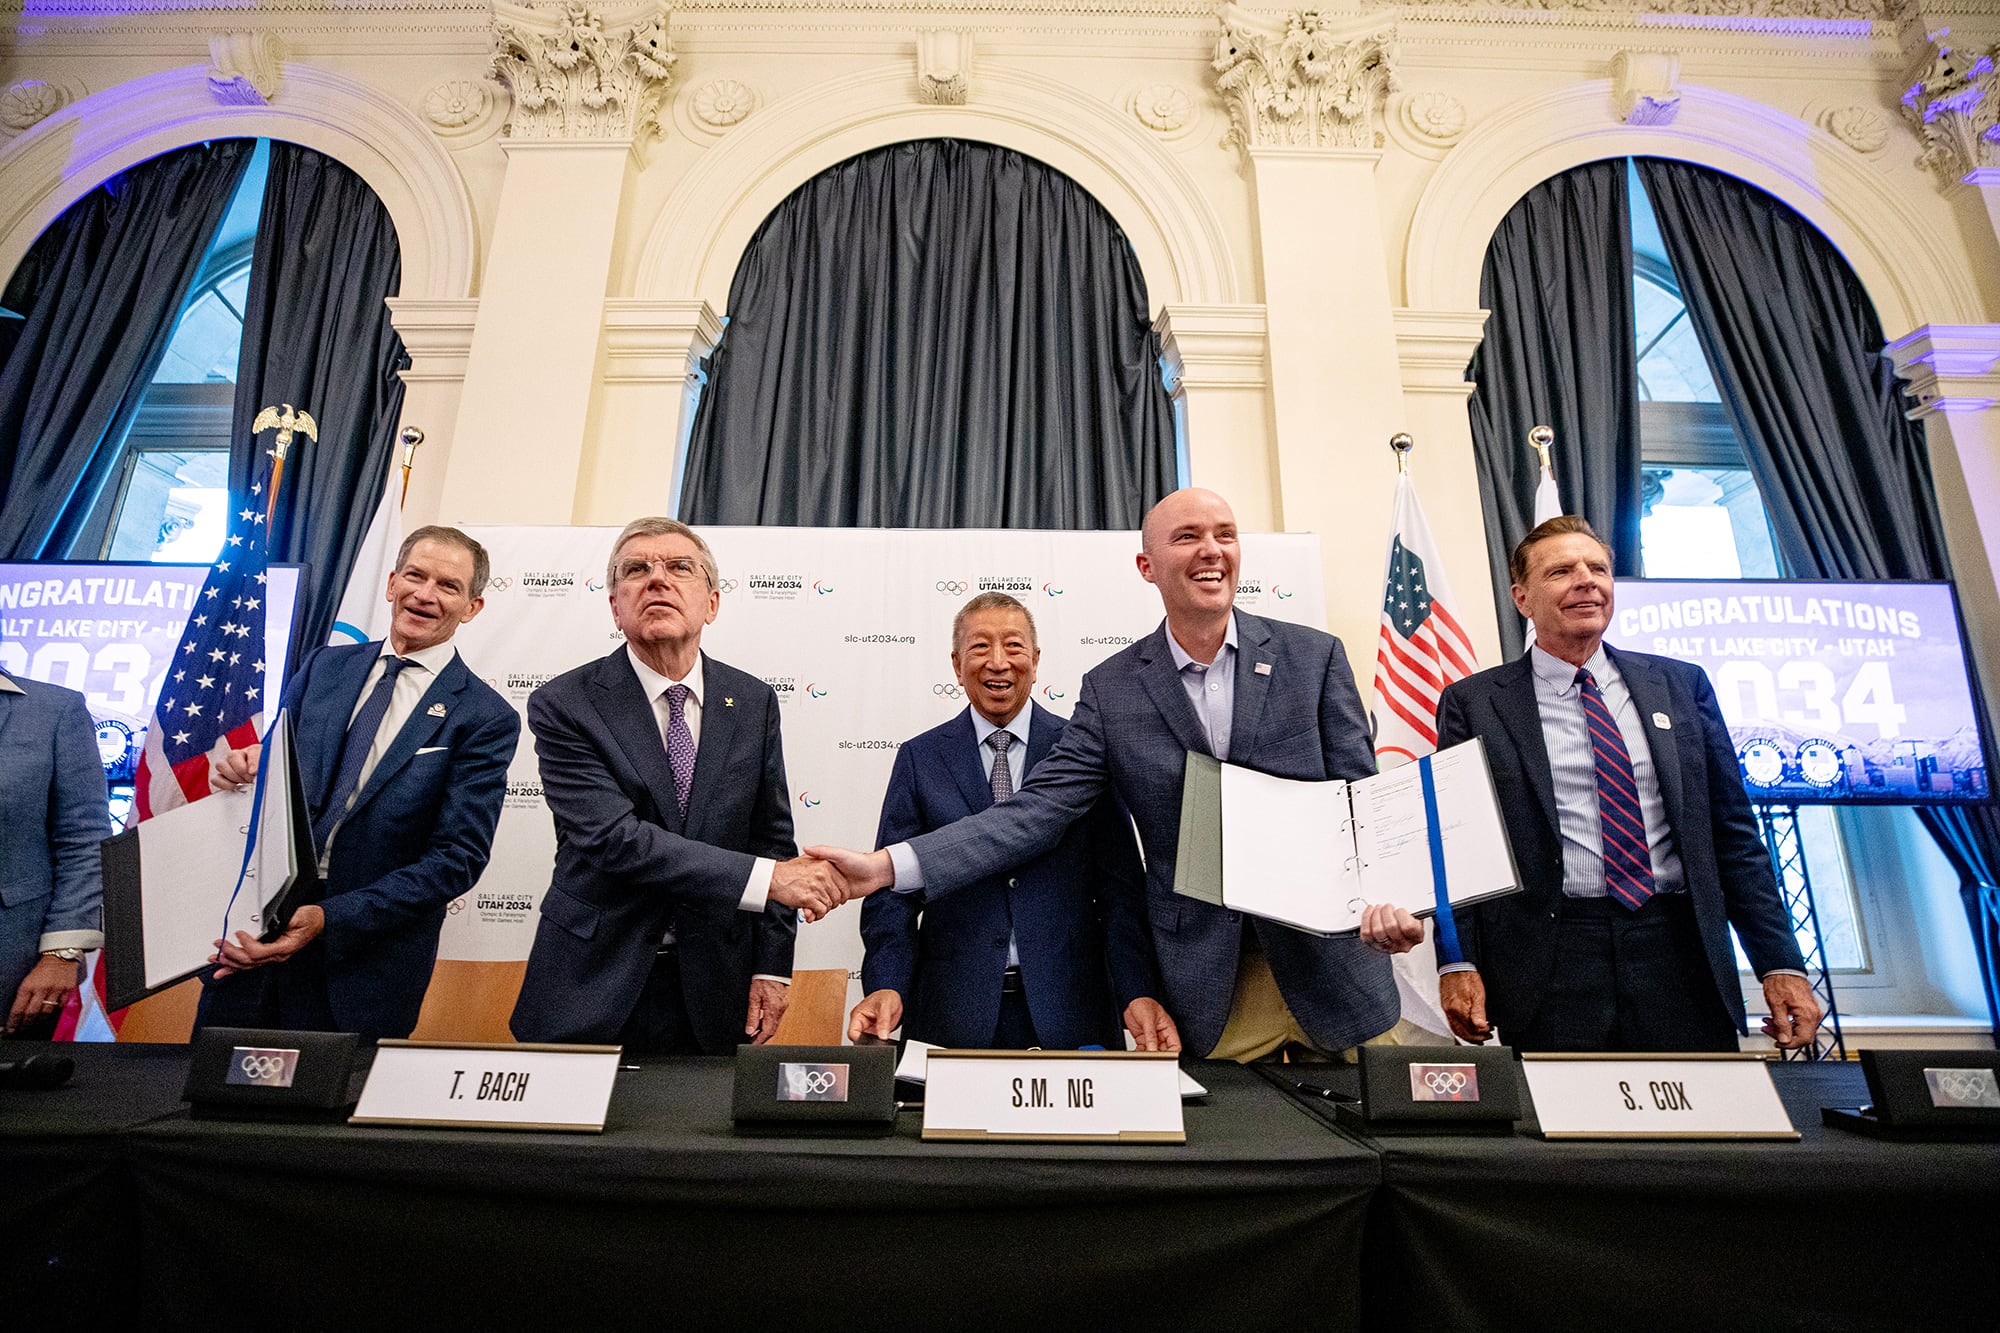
x=1662 y=722
x=437 y=710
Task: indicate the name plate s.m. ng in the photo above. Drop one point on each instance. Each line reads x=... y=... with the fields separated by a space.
x=1696 y=1096
x=479 y=1085
x=1064 y=1096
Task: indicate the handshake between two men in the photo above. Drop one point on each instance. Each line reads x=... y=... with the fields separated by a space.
x=824 y=878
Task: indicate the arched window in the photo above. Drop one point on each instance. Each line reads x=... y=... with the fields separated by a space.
x=167 y=498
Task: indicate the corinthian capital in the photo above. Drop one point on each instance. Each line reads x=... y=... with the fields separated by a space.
x=583 y=72
x=1305 y=79
x=1953 y=103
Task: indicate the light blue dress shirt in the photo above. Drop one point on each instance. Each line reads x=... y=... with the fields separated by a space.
x=1211 y=687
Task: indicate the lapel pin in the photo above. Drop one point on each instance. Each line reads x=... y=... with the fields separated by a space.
x=1663 y=722
x=437 y=710
x=728 y=702
x=1262 y=669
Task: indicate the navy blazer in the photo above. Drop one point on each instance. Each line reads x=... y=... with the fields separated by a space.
x=53 y=818
x=1512 y=940
x=629 y=868
x=945 y=958
x=1298 y=717
x=418 y=835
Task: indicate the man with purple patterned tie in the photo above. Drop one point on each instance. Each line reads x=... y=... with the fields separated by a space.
x=668 y=925
x=1635 y=842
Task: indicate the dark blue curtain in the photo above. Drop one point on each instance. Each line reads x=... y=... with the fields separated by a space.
x=935 y=334
x=1558 y=352
x=316 y=335
x=1797 y=353
x=101 y=291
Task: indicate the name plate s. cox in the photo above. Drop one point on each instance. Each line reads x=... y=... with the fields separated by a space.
x=1716 y=1096
x=478 y=1085
x=1102 y=1096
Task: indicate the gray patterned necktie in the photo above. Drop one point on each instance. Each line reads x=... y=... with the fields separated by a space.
x=680 y=744
x=1003 y=773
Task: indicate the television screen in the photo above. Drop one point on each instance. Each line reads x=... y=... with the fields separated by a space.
x=108 y=631
x=1845 y=692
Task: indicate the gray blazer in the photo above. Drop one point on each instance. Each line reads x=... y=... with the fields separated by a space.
x=1131 y=731
x=53 y=818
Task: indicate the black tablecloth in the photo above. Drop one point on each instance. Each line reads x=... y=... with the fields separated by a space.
x=669 y=1217
x=68 y=1226
x=118 y=1208
x=1834 y=1232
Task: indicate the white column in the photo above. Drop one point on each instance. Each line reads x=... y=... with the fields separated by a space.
x=579 y=109
x=1218 y=375
x=1433 y=348
x=438 y=337
x=637 y=450
x=1305 y=93
x=1953 y=371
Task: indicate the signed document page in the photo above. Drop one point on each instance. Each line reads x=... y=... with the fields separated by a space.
x=1314 y=854
x=1288 y=850
x=1392 y=833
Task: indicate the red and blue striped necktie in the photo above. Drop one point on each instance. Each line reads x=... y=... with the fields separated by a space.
x=1628 y=864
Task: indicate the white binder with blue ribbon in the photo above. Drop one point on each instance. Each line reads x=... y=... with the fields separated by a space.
x=1312 y=855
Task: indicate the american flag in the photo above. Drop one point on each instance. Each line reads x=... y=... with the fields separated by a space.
x=212 y=697
x=1422 y=647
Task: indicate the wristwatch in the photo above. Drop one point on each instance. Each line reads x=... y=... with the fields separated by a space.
x=66 y=955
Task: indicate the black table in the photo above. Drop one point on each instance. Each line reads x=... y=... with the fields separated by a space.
x=669 y=1217
x=68 y=1225
x=1834 y=1232
x=118 y=1207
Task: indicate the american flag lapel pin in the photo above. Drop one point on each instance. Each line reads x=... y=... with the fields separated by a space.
x=1262 y=669
x=437 y=710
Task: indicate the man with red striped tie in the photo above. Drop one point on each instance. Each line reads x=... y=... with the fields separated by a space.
x=1635 y=842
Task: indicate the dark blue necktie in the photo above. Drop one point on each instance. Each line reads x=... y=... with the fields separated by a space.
x=354 y=752
x=1628 y=862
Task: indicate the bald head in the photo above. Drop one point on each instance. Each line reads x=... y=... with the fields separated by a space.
x=1188 y=551
x=1178 y=507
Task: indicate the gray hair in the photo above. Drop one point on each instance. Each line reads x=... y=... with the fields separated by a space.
x=482 y=567
x=990 y=601
x=663 y=527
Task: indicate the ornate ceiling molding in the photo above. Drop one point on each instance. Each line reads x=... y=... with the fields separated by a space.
x=1305 y=79
x=944 y=66
x=1953 y=103
x=581 y=72
x=243 y=67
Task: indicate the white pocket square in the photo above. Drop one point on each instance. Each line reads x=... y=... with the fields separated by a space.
x=433 y=749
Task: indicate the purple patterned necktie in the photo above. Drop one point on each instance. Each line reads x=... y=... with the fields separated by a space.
x=1628 y=863
x=1003 y=772
x=680 y=744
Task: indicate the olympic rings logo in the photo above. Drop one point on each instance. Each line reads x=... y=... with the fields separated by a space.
x=820 y=1080
x=1964 y=1085
x=1444 y=1082
x=953 y=587
x=944 y=691
x=499 y=584
x=727 y=585
x=262 y=1068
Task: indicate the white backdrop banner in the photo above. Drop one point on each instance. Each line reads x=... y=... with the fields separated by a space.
x=852 y=628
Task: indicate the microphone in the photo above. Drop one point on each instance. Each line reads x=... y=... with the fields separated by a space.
x=37 y=1073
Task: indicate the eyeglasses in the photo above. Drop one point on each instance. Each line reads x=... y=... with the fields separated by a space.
x=680 y=568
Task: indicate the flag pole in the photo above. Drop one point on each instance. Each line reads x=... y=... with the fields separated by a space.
x=1541 y=439
x=1402 y=444
x=410 y=437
